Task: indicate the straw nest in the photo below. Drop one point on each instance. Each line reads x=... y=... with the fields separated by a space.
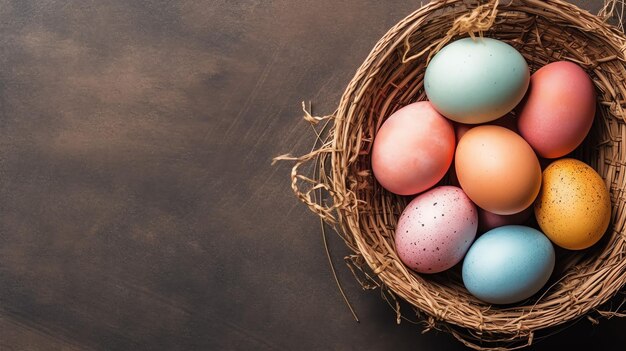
x=340 y=188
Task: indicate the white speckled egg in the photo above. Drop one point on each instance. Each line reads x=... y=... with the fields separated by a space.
x=436 y=229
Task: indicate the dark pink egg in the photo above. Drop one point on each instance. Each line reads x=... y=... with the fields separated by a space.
x=488 y=220
x=558 y=110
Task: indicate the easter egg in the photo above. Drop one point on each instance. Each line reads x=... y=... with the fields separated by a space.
x=436 y=229
x=476 y=80
x=413 y=149
x=559 y=108
x=507 y=121
x=497 y=169
x=488 y=220
x=574 y=206
x=508 y=264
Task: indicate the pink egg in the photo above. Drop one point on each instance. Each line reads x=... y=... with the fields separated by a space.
x=436 y=229
x=413 y=149
x=460 y=129
x=507 y=121
x=489 y=220
x=558 y=110
x=453 y=179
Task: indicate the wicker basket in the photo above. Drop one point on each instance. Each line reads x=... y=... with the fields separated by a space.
x=342 y=190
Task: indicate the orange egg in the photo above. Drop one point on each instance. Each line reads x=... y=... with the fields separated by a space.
x=497 y=169
x=413 y=149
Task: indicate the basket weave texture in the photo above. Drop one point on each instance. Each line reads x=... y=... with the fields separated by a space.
x=341 y=189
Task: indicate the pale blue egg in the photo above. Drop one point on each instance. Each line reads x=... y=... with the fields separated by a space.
x=508 y=264
x=476 y=80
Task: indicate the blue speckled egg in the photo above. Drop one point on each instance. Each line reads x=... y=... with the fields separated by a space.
x=508 y=264
x=476 y=80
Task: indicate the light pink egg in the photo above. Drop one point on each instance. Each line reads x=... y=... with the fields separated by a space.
x=436 y=229
x=413 y=149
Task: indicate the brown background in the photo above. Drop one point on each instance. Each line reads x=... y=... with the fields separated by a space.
x=138 y=207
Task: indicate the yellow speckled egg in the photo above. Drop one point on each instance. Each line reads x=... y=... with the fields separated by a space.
x=573 y=207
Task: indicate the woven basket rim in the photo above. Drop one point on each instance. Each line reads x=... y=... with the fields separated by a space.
x=364 y=214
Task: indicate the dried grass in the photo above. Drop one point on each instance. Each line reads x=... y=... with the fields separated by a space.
x=365 y=215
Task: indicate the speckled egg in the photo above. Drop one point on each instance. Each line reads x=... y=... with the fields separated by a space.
x=476 y=80
x=436 y=229
x=574 y=206
x=508 y=264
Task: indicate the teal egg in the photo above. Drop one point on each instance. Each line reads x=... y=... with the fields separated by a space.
x=476 y=80
x=508 y=264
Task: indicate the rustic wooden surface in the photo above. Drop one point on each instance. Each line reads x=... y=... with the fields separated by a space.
x=138 y=207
